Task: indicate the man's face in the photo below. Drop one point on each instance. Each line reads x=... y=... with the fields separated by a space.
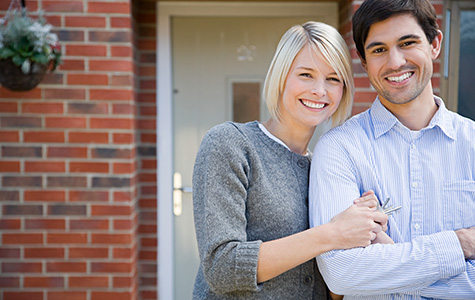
x=399 y=59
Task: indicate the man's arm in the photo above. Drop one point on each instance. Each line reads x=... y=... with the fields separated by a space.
x=376 y=269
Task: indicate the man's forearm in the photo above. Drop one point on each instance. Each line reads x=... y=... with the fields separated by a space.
x=466 y=238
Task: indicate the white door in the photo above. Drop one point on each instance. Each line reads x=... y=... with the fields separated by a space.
x=218 y=66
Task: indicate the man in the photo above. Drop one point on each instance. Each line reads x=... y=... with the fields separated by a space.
x=409 y=148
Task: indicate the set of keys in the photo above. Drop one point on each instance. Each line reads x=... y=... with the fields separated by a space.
x=388 y=210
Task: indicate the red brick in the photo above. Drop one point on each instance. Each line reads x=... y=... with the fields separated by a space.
x=89 y=224
x=70 y=94
x=122 y=282
x=123 y=224
x=9 y=166
x=109 y=123
x=66 y=238
x=148 y=110
x=21 y=267
x=86 y=50
x=122 y=196
x=70 y=295
x=45 y=224
x=45 y=167
x=43 y=195
x=71 y=152
x=123 y=253
x=88 y=252
x=43 y=137
x=23 y=295
x=69 y=122
x=21 y=121
x=73 y=65
x=89 y=137
x=109 y=7
x=123 y=138
x=87 y=79
x=89 y=196
x=111 y=65
x=63 y=6
x=8 y=107
x=46 y=282
x=111 y=267
x=10 y=224
x=111 y=238
x=97 y=94
x=88 y=167
x=118 y=22
x=79 y=21
x=147 y=124
x=88 y=108
x=66 y=267
x=22 y=210
x=111 y=210
x=9 y=282
x=121 y=80
x=124 y=168
x=9 y=136
x=22 y=238
x=46 y=252
x=149 y=242
x=148 y=255
x=121 y=51
x=32 y=94
x=42 y=108
x=88 y=282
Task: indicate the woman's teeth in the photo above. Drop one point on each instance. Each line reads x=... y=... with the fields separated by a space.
x=312 y=104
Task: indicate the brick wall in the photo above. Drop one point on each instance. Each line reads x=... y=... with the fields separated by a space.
x=68 y=164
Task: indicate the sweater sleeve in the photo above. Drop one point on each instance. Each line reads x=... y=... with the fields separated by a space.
x=220 y=182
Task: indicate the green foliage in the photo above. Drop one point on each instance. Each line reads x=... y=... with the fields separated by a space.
x=26 y=41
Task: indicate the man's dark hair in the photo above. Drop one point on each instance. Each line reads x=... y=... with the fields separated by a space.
x=373 y=11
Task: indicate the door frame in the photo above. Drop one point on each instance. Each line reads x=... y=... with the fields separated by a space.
x=166 y=10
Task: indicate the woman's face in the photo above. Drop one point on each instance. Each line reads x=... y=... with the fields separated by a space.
x=312 y=91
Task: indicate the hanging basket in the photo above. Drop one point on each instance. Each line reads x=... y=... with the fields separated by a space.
x=13 y=78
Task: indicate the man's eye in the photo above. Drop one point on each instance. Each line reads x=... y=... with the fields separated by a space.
x=378 y=50
x=408 y=43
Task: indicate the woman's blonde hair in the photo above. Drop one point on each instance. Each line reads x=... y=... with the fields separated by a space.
x=324 y=39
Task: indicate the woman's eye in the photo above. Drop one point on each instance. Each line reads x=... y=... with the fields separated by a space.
x=305 y=75
x=335 y=79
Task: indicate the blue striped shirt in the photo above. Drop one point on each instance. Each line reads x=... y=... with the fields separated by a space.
x=431 y=173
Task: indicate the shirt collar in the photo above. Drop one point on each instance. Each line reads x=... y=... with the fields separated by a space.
x=383 y=120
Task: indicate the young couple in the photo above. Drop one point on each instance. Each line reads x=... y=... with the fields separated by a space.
x=252 y=201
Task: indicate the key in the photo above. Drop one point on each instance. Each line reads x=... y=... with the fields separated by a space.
x=387 y=210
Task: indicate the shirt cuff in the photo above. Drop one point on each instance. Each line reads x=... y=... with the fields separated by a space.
x=449 y=253
x=247 y=256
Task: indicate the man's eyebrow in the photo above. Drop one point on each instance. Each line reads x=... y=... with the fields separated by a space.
x=402 y=38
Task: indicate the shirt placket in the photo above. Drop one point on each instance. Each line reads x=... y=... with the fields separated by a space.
x=416 y=188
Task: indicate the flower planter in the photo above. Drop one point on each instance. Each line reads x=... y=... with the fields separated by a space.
x=12 y=77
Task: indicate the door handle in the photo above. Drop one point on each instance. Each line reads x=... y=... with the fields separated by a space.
x=178 y=190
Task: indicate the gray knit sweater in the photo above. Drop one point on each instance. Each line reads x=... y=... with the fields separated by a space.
x=248 y=189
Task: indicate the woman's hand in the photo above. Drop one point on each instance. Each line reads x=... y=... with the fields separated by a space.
x=356 y=226
x=369 y=199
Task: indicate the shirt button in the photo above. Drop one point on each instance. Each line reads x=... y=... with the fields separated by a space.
x=417 y=226
x=301 y=163
x=413 y=146
x=308 y=279
x=414 y=184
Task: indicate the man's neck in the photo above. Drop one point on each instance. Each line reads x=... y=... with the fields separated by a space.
x=415 y=114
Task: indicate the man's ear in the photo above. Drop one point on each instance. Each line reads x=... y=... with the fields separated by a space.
x=363 y=61
x=436 y=45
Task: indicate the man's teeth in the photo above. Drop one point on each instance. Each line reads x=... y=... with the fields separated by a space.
x=312 y=104
x=399 y=78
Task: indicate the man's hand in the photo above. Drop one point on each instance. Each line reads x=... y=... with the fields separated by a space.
x=467 y=241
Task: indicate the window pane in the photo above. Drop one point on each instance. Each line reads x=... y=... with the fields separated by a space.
x=246 y=101
x=466 y=101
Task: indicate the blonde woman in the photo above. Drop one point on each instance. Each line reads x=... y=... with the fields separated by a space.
x=250 y=181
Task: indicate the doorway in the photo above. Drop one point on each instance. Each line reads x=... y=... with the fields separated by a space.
x=211 y=56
